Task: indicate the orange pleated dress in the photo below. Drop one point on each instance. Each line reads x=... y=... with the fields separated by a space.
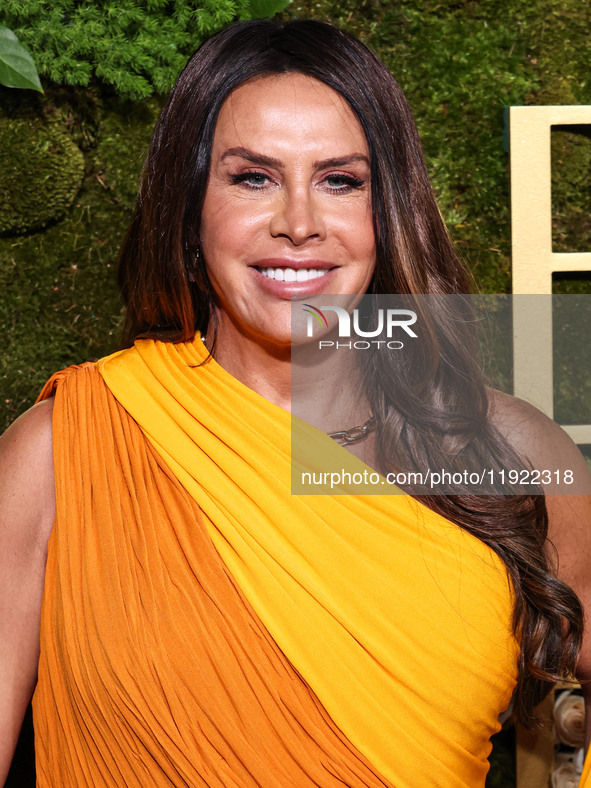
x=202 y=627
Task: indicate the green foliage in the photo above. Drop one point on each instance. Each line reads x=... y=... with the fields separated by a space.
x=136 y=46
x=17 y=69
x=41 y=171
x=261 y=9
x=571 y=323
x=459 y=70
x=58 y=298
x=571 y=175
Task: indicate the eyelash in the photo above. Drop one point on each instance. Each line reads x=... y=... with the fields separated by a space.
x=242 y=177
x=350 y=182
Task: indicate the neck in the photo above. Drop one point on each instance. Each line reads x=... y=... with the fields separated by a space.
x=263 y=367
x=323 y=389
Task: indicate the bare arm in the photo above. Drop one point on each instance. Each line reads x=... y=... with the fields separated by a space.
x=27 y=508
x=546 y=445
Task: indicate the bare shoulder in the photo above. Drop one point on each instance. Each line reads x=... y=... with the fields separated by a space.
x=523 y=425
x=547 y=447
x=27 y=493
x=541 y=443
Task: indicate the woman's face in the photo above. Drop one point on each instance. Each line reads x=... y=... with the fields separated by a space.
x=287 y=211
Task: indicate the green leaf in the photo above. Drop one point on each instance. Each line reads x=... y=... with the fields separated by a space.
x=17 y=69
x=262 y=9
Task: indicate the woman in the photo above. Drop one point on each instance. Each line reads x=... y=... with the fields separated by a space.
x=200 y=626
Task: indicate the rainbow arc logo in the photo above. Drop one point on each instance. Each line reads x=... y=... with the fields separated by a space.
x=317 y=313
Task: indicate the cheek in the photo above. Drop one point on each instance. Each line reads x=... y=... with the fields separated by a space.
x=230 y=225
x=357 y=230
x=214 y=226
x=363 y=249
x=367 y=238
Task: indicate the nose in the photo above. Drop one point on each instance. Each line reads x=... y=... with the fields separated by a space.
x=298 y=217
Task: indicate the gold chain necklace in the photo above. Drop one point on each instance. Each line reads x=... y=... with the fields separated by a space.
x=345 y=437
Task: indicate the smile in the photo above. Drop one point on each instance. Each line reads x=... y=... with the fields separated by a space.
x=291 y=275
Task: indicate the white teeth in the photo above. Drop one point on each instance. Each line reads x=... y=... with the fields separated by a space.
x=291 y=275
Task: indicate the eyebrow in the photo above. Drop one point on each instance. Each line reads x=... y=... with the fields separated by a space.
x=270 y=161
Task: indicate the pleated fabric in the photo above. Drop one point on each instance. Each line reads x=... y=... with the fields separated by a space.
x=398 y=620
x=154 y=669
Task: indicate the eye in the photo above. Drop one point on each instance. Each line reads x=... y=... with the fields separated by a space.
x=341 y=183
x=252 y=179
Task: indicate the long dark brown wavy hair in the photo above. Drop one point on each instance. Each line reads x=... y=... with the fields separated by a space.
x=168 y=296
